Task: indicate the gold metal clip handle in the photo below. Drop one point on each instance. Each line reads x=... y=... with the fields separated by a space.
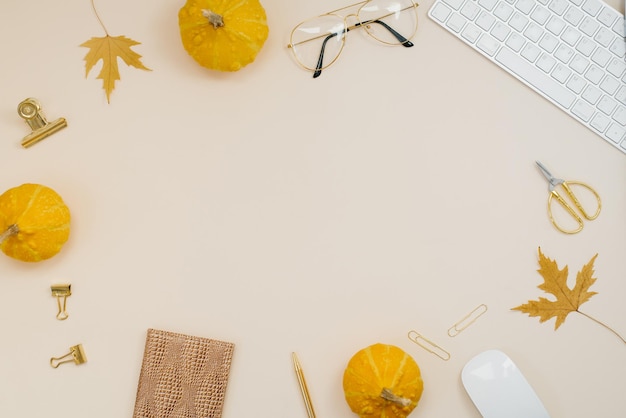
x=30 y=111
x=61 y=292
x=76 y=355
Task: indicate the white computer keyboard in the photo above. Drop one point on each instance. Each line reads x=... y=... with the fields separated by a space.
x=572 y=52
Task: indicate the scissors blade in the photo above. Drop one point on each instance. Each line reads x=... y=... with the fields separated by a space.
x=551 y=179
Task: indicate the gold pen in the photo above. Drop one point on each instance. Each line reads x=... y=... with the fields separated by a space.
x=305 y=392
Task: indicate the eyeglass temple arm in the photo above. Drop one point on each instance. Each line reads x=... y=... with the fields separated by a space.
x=320 y=61
x=403 y=41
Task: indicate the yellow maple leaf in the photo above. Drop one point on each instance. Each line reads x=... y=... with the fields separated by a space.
x=555 y=282
x=109 y=49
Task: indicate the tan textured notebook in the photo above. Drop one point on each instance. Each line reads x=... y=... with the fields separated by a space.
x=182 y=376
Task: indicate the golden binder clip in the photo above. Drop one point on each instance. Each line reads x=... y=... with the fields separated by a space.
x=30 y=111
x=76 y=355
x=61 y=292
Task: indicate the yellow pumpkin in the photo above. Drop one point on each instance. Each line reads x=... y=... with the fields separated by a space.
x=34 y=222
x=382 y=381
x=223 y=35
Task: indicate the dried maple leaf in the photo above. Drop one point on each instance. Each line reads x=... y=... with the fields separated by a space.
x=567 y=300
x=108 y=49
x=555 y=282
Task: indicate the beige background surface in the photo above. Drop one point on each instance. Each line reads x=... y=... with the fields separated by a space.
x=398 y=191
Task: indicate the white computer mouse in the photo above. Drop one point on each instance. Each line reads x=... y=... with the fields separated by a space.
x=499 y=389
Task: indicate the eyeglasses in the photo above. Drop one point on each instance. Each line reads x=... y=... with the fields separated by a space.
x=316 y=43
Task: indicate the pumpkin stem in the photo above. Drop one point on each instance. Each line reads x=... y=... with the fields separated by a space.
x=216 y=20
x=388 y=395
x=11 y=230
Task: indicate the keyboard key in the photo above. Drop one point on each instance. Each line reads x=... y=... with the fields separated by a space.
x=471 y=33
x=564 y=53
x=592 y=7
x=586 y=46
x=540 y=15
x=589 y=26
x=546 y=62
x=515 y=42
x=573 y=16
x=618 y=47
x=518 y=22
x=530 y=52
x=616 y=67
x=620 y=116
x=485 y=21
x=607 y=105
x=525 y=6
x=609 y=85
x=576 y=84
x=601 y=57
x=555 y=25
x=615 y=133
x=470 y=10
x=607 y=17
x=535 y=77
x=455 y=4
x=440 y=12
x=594 y=74
x=558 y=6
x=456 y=23
x=600 y=122
x=620 y=27
x=488 y=4
x=488 y=44
x=579 y=64
x=549 y=42
x=503 y=11
x=500 y=31
x=533 y=32
x=621 y=95
x=583 y=110
x=592 y=94
x=561 y=73
x=570 y=36
x=604 y=37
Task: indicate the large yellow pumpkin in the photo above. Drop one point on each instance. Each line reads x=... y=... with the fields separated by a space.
x=382 y=381
x=34 y=222
x=223 y=35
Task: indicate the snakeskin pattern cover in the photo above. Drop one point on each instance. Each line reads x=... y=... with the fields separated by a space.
x=182 y=376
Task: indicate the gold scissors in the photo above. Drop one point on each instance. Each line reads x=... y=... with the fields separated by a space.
x=554 y=194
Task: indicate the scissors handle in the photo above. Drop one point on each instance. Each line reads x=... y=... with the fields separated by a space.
x=566 y=186
x=572 y=196
x=554 y=194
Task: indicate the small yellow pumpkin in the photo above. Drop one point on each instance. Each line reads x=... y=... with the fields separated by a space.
x=34 y=222
x=382 y=381
x=223 y=35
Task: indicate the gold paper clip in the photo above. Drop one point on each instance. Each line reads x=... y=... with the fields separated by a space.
x=428 y=345
x=61 y=291
x=30 y=111
x=76 y=354
x=467 y=320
